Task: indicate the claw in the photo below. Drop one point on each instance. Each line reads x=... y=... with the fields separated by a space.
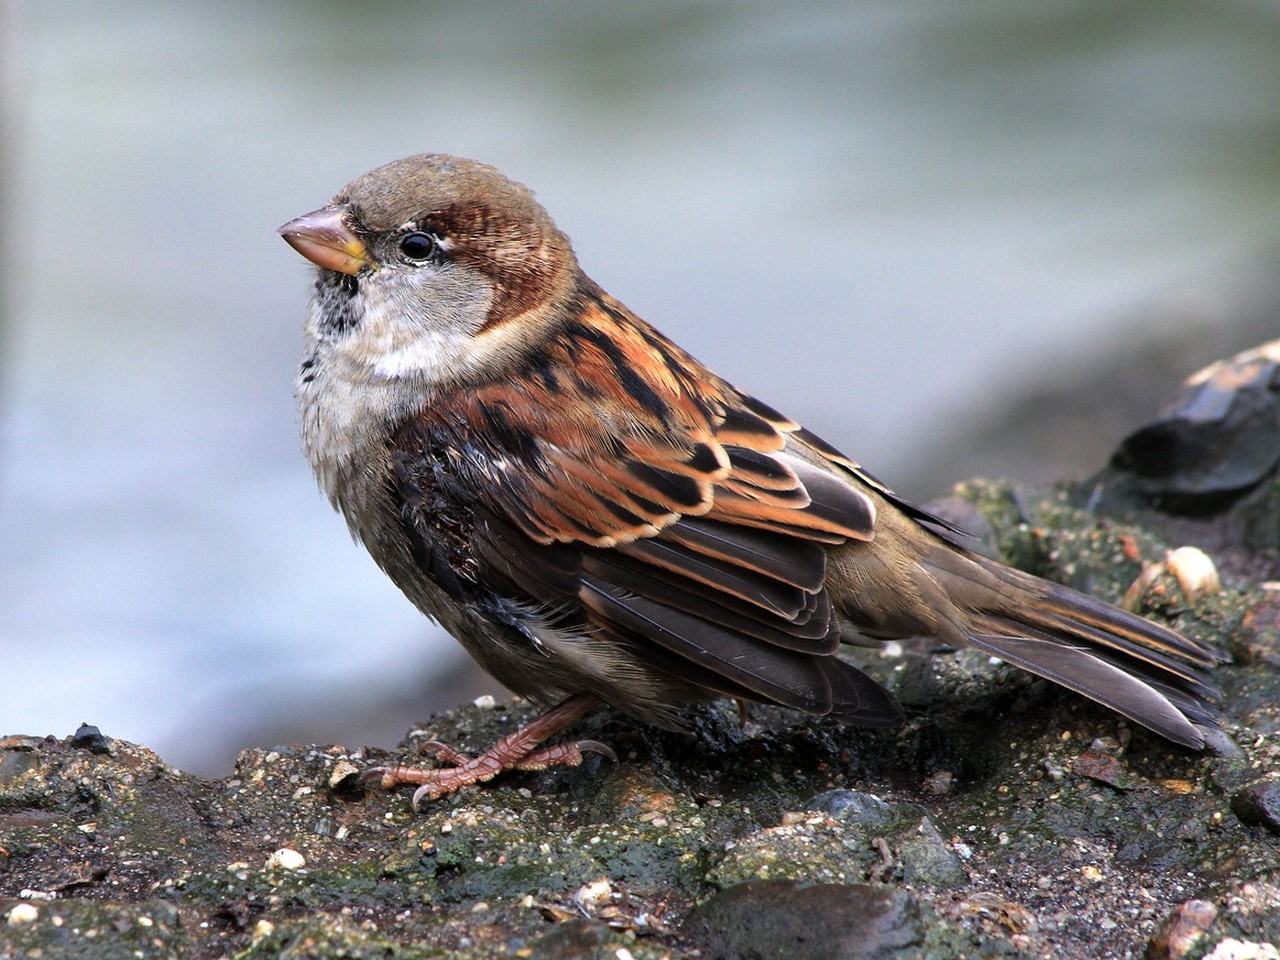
x=595 y=746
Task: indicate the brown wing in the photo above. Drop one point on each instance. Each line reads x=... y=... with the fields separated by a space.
x=623 y=490
x=613 y=433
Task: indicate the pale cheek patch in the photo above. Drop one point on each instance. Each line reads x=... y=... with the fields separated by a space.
x=420 y=327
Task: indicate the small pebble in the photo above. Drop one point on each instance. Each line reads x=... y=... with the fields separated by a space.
x=939 y=783
x=1184 y=928
x=342 y=771
x=1054 y=769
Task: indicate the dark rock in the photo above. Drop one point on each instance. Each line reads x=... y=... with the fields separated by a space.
x=1102 y=767
x=766 y=920
x=89 y=737
x=863 y=808
x=1259 y=805
x=575 y=940
x=1217 y=438
x=927 y=859
x=1206 y=471
x=906 y=840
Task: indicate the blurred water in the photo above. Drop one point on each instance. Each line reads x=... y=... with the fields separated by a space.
x=883 y=218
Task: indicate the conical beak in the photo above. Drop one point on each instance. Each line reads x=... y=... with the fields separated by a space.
x=324 y=238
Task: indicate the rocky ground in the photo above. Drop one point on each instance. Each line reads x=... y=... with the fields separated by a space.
x=1005 y=818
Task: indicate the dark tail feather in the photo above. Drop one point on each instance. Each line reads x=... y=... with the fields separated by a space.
x=856 y=698
x=1095 y=678
x=1140 y=669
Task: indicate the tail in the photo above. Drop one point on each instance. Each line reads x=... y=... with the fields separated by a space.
x=1144 y=671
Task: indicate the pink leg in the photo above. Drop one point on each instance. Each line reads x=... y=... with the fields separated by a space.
x=515 y=751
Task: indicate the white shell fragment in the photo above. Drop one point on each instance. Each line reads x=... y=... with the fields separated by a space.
x=597 y=891
x=23 y=913
x=1195 y=572
x=285 y=859
x=342 y=771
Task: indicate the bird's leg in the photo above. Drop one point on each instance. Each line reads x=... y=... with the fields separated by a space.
x=516 y=751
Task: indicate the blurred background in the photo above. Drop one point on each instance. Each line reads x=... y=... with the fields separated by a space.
x=953 y=239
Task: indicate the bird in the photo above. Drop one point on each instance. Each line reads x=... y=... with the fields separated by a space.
x=597 y=517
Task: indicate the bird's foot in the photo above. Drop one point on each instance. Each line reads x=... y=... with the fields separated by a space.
x=520 y=750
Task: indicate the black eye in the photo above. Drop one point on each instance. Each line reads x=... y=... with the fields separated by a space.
x=419 y=246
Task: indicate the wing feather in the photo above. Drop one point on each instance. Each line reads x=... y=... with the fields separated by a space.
x=772 y=673
x=631 y=495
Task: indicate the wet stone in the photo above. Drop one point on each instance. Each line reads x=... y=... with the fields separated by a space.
x=927 y=859
x=1259 y=805
x=89 y=737
x=1219 y=436
x=852 y=805
x=763 y=919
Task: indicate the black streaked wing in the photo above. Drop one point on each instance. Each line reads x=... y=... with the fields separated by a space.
x=656 y=506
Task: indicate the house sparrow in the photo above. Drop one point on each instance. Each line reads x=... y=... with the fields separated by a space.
x=596 y=516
